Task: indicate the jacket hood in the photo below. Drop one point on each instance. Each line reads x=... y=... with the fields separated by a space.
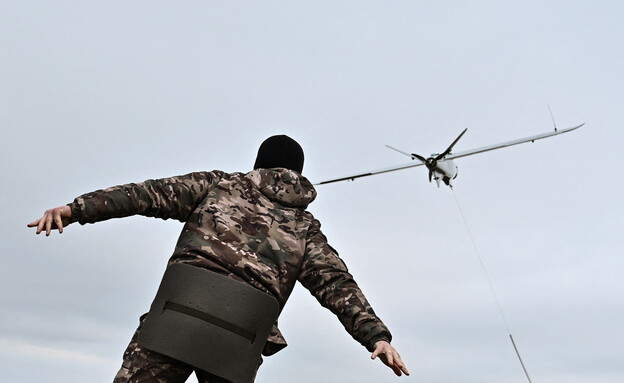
x=284 y=186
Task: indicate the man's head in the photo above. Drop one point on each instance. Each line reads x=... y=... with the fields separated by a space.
x=280 y=152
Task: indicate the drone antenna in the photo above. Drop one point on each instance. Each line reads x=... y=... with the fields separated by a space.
x=553 y=118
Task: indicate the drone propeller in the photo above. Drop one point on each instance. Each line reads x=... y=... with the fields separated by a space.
x=432 y=161
x=448 y=150
x=421 y=158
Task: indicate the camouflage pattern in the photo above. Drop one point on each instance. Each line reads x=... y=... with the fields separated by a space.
x=253 y=227
x=145 y=366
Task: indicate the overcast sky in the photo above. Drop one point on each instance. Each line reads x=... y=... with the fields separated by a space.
x=100 y=93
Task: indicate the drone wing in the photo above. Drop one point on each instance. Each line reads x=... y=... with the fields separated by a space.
x=379 y=171
x=451 y=156
x=511 y=143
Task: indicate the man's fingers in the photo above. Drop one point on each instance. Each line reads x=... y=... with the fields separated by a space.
x=46 y=222
x=58 y=221
x=378 y=350
x=388 y=359
x=33 y=223
x=48 y=226
x=41 y=224
x=56 y=218
x=402 y=367
x=391 y=358
x=405 y=370
x=394 y=363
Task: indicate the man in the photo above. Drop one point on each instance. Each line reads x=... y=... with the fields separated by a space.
x=251 y=227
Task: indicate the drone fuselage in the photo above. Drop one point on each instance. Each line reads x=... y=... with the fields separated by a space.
x=445 y=171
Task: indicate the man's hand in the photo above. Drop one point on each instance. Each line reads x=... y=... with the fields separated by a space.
x=390 y=357
x=55 y=218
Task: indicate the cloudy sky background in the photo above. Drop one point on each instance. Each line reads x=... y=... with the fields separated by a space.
x=100 y=93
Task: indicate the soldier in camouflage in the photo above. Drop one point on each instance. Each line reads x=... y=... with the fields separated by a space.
x=252 y=227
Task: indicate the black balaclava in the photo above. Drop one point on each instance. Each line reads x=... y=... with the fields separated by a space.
x=280 y=152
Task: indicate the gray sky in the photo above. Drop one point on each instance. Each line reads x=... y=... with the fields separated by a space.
x=100 y=93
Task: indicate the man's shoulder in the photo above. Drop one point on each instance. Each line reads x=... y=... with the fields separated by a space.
x=213 y=175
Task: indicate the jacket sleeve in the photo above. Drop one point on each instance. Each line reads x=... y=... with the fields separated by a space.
x=326 y=276
x=174 y=197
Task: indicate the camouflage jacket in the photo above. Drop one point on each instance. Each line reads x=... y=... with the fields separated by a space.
x=252 y=227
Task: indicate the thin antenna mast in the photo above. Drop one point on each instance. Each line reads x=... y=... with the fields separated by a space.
x=553 y=118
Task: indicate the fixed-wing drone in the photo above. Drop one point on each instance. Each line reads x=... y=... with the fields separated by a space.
x=441 y=166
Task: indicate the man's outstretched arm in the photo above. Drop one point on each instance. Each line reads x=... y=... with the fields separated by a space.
x=390 y=357
x=56 y=218
x=173 y=197
x=326 y=276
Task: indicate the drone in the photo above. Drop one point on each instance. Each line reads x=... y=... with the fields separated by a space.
x=441 y=165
